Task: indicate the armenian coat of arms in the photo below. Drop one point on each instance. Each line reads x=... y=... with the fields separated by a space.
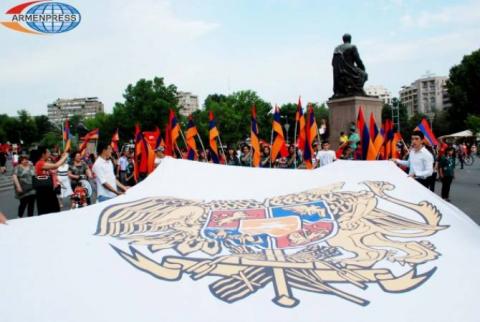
x=312 y=241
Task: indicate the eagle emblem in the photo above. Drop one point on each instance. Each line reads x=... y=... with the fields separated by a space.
x=312 y=241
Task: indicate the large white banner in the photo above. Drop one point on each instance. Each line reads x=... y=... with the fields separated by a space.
x=352 y=241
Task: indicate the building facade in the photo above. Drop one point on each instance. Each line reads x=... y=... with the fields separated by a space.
x=86 y=107
x=188 y=103
x=426 y=95
x=380 y=92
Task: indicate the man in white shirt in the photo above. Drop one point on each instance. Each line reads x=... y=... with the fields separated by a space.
x=107 y=183
x=420 y=160
x=325 y=155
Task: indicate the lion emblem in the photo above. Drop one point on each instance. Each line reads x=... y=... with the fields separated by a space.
x=308 y=241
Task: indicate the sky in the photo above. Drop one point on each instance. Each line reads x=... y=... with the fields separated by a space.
x=282 y=49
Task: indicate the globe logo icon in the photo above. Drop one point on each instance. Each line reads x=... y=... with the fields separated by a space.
x=54 y=9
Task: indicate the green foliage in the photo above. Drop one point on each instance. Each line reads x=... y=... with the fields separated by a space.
x=233 y=116
x=386 y=112
x=441 y=123
x=51 y=139
x=148 y=103
x=42 y=125
x=473 y=123
x=464 y=90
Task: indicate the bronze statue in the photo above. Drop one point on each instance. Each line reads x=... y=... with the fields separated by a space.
x=349 y=73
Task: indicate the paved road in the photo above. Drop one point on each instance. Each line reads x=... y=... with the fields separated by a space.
x=464 y=194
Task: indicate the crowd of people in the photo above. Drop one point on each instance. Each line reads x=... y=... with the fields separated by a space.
x=55 y=181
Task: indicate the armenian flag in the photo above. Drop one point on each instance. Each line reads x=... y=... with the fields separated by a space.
x=254 y=139
x=397 y=137
x=66 y=131
x=427 y=132
x=190 y=137
x=92 y=135
x=114 y=142
x=388 y=137
x=174 y=129
x=300 y=121
x=310 y=135
x=375 y=135
x=213 y=135
x=278 y=145
x=144 y=154
x=368 y=150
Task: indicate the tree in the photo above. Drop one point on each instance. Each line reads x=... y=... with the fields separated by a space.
x=473 y=123
x=233 y=115
x=147 y=102
x=51 y=139
x=386 y=112
x=22 y=128
x=43 y=125
x=441 y=123
x=463 y=88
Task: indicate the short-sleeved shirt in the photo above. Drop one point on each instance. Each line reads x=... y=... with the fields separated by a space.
x=123 y=163
x=354 y=138
x=448 y=165
x=326 y=157
x=103 y=170
x=39 y=171
x=24 y=176
x=78 y=170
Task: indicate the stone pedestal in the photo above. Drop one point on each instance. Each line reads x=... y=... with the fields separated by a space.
x=344 y=111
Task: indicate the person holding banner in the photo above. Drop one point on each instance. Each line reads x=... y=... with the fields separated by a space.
x=420 y=161
x=107 y=183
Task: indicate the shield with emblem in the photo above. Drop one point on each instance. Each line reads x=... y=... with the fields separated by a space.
x=283 y=227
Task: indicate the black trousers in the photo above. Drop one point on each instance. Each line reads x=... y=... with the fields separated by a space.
x=424 y=182
x=28 y=201
x=446 y=182
x=47 y=201
x=431 y=181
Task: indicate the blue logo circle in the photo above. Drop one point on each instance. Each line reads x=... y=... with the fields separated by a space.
x=57 y=17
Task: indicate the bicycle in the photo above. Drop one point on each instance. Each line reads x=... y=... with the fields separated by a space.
x=469 y=159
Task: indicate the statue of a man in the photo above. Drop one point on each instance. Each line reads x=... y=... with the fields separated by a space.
x=349 y=73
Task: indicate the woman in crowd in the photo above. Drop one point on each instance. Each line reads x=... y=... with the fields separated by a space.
x=202 y=156
x=22 y=180
x=130 y=172
x=3 y=160
x=78 y=171
x=246 y=157
x=232 y=158
x=265 y=161
x=65 y=185
x=446 y=171
x=47 y=201
x=294 y=160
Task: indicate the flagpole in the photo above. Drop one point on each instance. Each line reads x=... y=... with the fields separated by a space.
x=221 y=146
x=271 y=145
x=63 y=136
x=179 y=151
x=201 y=143
x=295 y=142
x=183 y=137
